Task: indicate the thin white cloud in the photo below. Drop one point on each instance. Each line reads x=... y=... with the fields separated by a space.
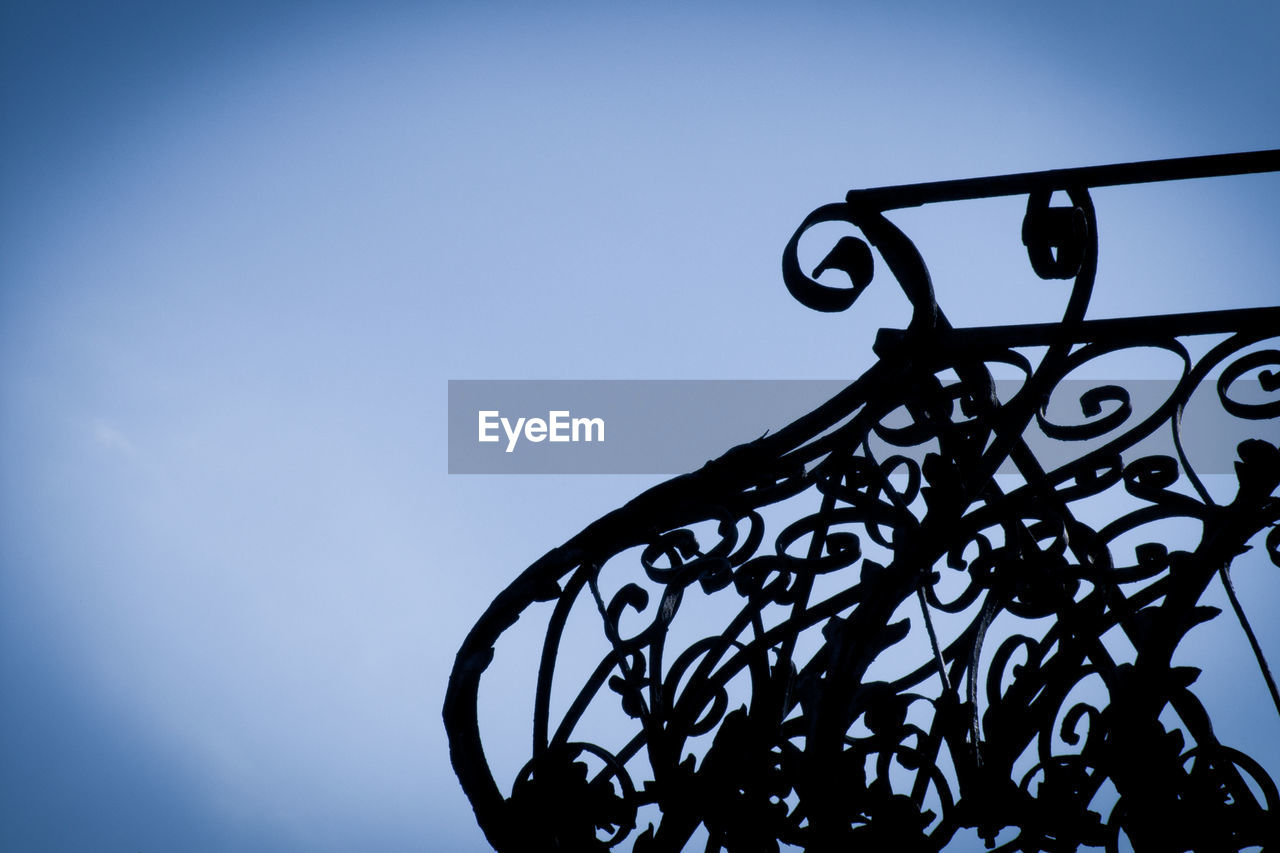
x=107 y=436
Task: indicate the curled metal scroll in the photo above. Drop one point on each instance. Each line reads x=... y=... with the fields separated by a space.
x=1036 y=702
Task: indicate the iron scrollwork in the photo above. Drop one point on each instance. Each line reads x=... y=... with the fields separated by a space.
x=1032 y=604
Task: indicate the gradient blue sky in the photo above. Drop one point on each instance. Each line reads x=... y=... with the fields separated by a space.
x=243 y=247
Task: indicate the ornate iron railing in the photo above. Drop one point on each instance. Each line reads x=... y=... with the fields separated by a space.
x=1037 y=611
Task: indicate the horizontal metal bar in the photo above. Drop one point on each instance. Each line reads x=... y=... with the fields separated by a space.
x=1137 y=329
x=1116 y=174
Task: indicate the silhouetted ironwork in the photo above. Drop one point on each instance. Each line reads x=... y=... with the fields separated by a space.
x=893 y=530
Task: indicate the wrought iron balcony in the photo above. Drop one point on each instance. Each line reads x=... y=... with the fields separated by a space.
x=1032 y=603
